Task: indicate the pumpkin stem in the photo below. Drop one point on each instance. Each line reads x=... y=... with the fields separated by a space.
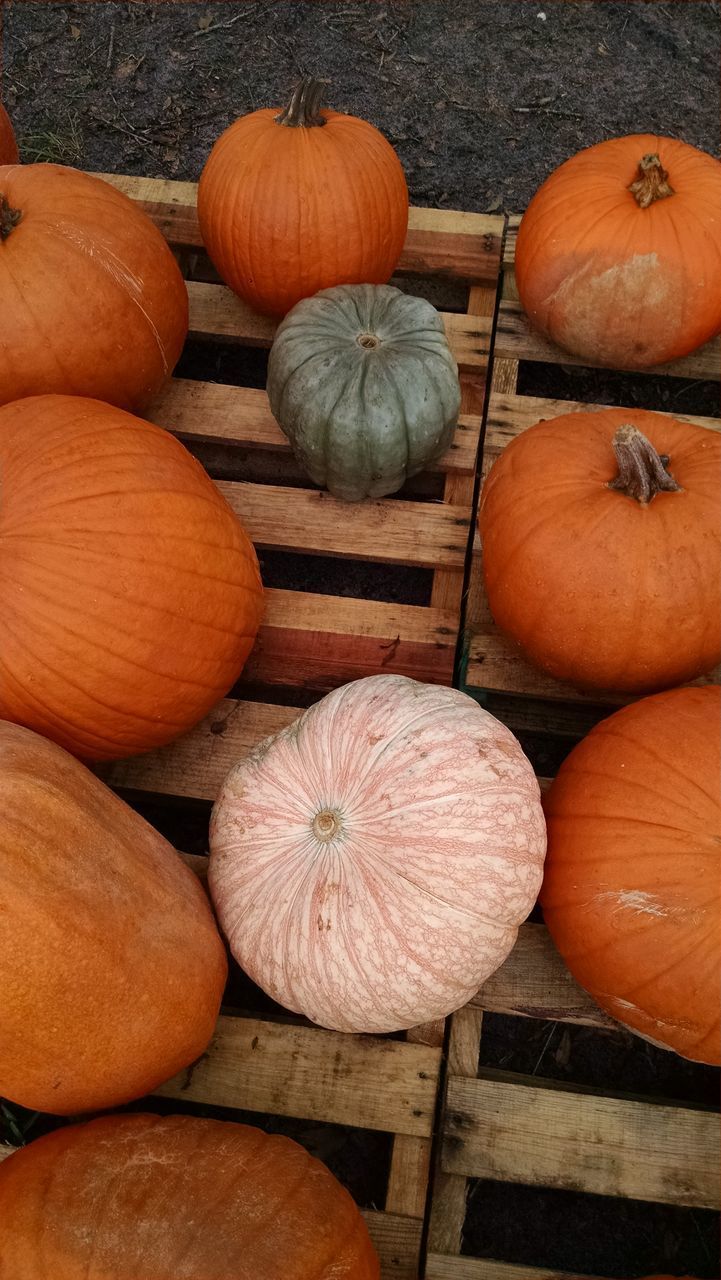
x=303 y=110
x=326 y=825
x=652 y=182
x=641 y=470
x=9 y=218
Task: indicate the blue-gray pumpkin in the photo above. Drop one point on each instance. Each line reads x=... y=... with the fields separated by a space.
x=363 y=383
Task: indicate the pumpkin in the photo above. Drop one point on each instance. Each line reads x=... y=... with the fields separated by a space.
x=365 y=387
x=93 y=301
x=294 y=201
x=8 y=145
x=176 y=1198
x=370 y=864
x=618 y=257
x=130 y=592
x=111 y=968
x=631 y=891
x=602 y=548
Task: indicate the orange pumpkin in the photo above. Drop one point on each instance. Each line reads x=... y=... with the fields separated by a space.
x=602 y=548
x=618 y=257
x=295 y=201
x=111 y=968
x=130 y=592
x=8 y=145
x=175 y=1197
x=631 y=890
x=93 y=302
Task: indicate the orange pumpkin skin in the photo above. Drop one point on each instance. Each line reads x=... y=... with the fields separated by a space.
x=93 y=300
x=572 y=567
x=615 y=283
x=8 y=145
x=111 y=968
x=130 y=592
x=631 y=888
x=287 y=210
x=176 y=1198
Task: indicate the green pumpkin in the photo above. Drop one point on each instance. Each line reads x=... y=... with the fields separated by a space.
x=363 y=383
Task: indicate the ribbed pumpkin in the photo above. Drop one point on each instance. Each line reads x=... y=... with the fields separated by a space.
x=295 y=201
x=602 y=548
x=618 y=258
x=130 y=592
x=111 y=968
x=176 y=1198
x=93 y=302
x=364 y=384
x=371 y=864
x=8 y=145
x=631 y=892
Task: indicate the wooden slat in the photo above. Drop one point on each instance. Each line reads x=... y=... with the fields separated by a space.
x=386 y=531
x=582 y=1142
x=462 y=246
x=216 y=312
x=318 y=642
x=448 y=1202
x=196 y=764
x=509 y=415
x=5 y=1150
x=515 y=340
x=311 y=1074
x=411 y=1157
x=398 y=1242
x=449 y=1268
x=535 y=983
x=213 y=413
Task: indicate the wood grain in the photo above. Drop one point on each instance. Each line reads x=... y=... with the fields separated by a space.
x=449 y=1268
x=398 y=1242
x=572 y=1141
x=312 y=1074
x=535 y=983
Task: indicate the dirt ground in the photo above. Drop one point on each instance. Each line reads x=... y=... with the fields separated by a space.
x=481 y=98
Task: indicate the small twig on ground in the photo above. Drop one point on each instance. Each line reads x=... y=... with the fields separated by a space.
x=221 y=26
x=542 y=1054
x=109 y=59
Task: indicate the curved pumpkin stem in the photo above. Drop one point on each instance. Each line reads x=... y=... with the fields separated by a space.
x=303 y=110
x=641 y=470
x=9 y=218
x=652 y=182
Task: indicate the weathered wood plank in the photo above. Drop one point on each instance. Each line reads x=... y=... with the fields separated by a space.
x=398 y=1241
x=581 y=1142
x=535 y=983
x=509 y=415
x=439 y=1267
x=312 y=1074
x=213 y=413
x=196 y=764
x=515 y=340
x=216 y=312
x=386 y=531
x=464 y=246
x=411 y=1157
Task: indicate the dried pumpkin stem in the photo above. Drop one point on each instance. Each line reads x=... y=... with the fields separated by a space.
x=652 y=182
x=303 y=110
x=9 y=218
x=641 y=470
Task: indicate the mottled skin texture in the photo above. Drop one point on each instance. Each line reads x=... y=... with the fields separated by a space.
x=176 y=1198
x=615 y=283
x=93 y=300
x=285 y=212
x=631 y=889
x=595 y=587
x=130 y=592
x=8 y=145
x=434 y=858
x=364 y=384
x=111 y=967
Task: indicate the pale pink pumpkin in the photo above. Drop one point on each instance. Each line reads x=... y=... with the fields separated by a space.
x=371 y=864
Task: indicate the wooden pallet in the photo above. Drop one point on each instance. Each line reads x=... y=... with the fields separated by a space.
x=310 y=642
x=492 y=670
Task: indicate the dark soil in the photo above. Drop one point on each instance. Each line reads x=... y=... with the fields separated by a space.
x=482 y=99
